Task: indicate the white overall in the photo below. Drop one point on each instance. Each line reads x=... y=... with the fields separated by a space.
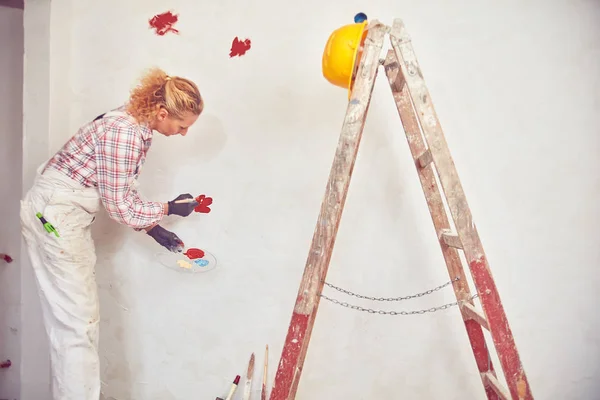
x=64 y=268
x=65 y=272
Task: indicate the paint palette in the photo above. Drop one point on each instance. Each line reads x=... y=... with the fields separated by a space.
x=181 y=263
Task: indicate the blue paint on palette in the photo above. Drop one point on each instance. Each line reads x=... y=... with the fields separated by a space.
x=201 y=262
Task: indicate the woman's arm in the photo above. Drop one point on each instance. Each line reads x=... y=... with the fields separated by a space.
x=117 y=153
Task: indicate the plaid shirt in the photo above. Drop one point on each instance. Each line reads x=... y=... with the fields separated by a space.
x=108 y=153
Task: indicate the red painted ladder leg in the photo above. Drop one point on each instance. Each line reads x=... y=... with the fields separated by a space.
x=438 y=215
x=290 y=365
x=466 y=236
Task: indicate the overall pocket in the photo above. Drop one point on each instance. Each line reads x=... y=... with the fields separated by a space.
x=66 y=212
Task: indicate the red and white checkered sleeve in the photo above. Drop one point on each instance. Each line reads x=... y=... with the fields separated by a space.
x=117 y=153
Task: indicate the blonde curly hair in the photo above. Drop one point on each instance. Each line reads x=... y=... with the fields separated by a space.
x=156 y=89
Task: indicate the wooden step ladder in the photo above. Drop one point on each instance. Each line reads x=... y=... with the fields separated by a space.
x=431 y=155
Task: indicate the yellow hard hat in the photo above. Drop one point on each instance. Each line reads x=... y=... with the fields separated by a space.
x=341 y=54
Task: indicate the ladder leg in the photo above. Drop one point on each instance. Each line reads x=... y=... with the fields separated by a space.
x=438 y=214
x=295 y=347
x=469 y=240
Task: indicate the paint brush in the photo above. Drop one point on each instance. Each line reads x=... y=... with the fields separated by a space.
x=233 y=387
x=263 y=394
x=249 y=374
x=184 y=201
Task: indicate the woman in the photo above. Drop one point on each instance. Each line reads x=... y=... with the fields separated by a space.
x=99 y=165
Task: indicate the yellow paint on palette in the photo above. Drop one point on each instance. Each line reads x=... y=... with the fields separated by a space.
x=184 y=264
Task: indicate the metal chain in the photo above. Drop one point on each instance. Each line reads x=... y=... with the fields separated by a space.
x=382 y=312
x=412 y=296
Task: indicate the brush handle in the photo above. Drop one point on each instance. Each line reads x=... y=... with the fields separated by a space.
x=185 y=201
x=234 y=386
x=263 y=394
x=231 y=391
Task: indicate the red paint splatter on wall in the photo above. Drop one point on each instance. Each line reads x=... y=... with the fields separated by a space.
x=194 y=253
x=203 y=204
x=164 y=22
x=239 y=47
x=6 y=364
x=6 y=257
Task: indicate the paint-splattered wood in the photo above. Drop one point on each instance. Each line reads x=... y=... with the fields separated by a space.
x=497 y=387
x=461 y=214
x=439 y=217
x=317 y=263
x=470 y=312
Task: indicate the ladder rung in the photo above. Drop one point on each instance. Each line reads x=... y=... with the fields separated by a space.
x=475 y=315
x=451 y=239
x=496 y=386
x=425 y=159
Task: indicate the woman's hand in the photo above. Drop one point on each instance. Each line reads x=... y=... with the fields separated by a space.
x=183 y=205
x=167 y=239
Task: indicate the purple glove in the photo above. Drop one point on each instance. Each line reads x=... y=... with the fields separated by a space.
x=167 y=239
x=182 y=209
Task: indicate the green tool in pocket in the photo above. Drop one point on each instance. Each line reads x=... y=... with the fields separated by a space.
x=47 y=225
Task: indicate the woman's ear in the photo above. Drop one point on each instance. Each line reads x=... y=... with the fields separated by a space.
x=162 y=114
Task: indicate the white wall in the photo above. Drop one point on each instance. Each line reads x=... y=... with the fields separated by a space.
x=516 y=88
x=11 y=128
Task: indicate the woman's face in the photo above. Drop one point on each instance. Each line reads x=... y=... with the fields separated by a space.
x=169 y=126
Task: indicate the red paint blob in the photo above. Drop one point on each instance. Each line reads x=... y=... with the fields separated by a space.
x=7 y=258
x=6 y=364
x=203 y=204
x=163 y=23
x=239 y=48
x=193 y=253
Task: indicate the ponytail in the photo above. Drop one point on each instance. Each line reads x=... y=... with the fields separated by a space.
x=179 y=96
